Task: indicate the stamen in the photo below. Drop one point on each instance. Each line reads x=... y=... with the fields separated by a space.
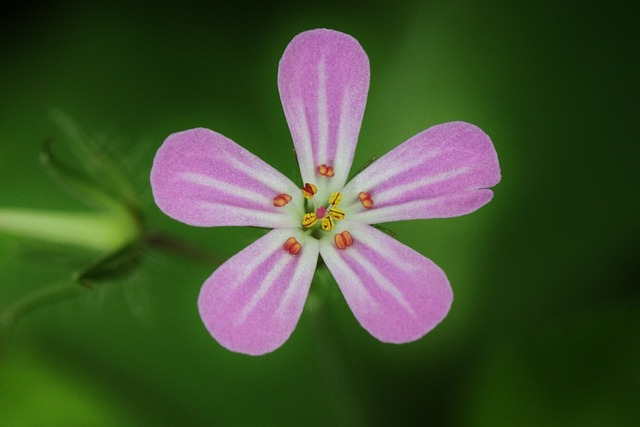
x=292 y=246
x=309 y=190
x=363 y=196
x=368 y=203
x=366 y=200
x=295 y=249
x=290 y=241
x=335 y=199
x=281 y=200
x=327 y=223
x=309 y=219
x=343 y=240
x=336 y=213
x=326 y=170
x=347 y=238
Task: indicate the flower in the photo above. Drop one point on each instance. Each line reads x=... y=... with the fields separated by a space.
x=252 y=303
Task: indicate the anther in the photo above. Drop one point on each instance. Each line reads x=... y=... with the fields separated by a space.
x=290 y=241
x=335 y=199
x=336 y=213
x=309 y=190
x=292 y=246
x=327 y=223
x=309 y=219
x=343 y=240
x=281 y=200
x=366 y=200
x=326 y=170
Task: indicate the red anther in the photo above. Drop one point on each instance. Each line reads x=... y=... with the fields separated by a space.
x=325 y=170
x=347 y=238
x=343 y=240
x=366 y=200
x=364 y=196
x=281 y=200
x=309 y=190
x=295 y=249
x=290 y=241
x=292 y=246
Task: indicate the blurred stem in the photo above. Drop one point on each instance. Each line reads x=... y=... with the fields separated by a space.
x=36 y=299
x=338 y=377
x=164 y=242
x=103 y=232
x=94 y=161
x=111 y=266
x=80 y=185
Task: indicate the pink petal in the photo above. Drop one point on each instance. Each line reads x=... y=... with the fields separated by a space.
x=202 y=178
x=252 y=303
x=395 y=293
x=442 y=172
x=323 y=80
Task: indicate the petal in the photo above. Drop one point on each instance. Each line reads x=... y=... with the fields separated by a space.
x=252 y=303
x=395 y=293
x=202 y=178
x=442 y=172
x=324 y=80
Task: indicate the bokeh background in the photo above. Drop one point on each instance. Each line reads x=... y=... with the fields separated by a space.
x=544 y=329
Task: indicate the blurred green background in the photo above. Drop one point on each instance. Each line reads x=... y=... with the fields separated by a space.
x=544 y=329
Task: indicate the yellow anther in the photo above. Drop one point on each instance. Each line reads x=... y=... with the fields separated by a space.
x=309 y=190
x=343 y=240
x=292 y=246
x=309 y=219
x=335 y=199
x=336 y=213
x=327 y=223
x=281 y=200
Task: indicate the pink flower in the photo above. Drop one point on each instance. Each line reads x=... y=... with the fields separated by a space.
x=252 y=303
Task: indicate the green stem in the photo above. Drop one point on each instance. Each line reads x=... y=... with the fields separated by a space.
x=103 y=232
x=48 y=295
x=339 y=379
x=165 y=242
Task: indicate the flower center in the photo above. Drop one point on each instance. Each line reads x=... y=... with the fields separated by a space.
x=323 y=218
x=327 y=215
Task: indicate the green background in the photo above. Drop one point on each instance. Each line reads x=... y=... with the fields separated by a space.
x=544 y=329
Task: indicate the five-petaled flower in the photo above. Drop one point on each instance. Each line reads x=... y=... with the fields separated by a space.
x=252 y=302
